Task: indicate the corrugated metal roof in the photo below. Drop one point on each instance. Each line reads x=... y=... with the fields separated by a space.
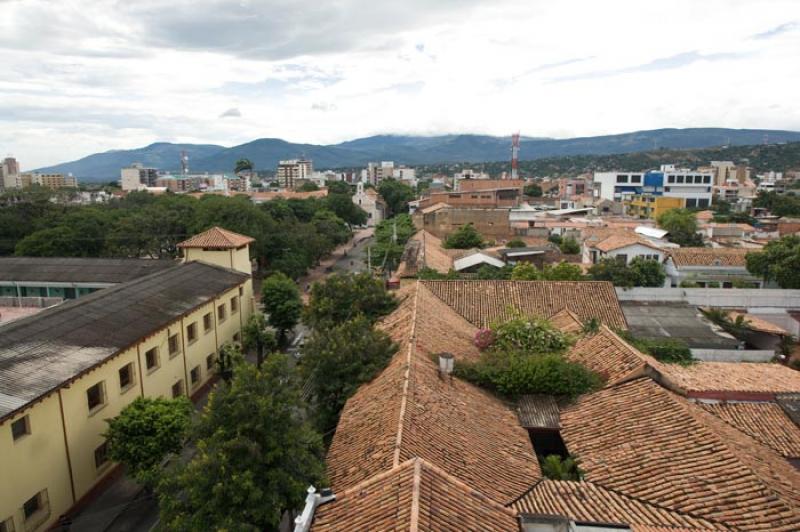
x=538 y=412
x=77 y=270
x=475 y=259
x=41 y=352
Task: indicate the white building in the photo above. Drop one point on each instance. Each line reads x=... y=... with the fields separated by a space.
x=137 y=176
x=623 y=247
x=293 y=169
x=693 y=186
x=369 y=200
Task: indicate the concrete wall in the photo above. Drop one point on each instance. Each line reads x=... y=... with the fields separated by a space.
x=733 y=355
x=491 y=223
x=716 y=297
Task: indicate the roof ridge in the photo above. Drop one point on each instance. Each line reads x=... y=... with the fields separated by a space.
x=375 y=478
x=404 y=399
x=730 y=423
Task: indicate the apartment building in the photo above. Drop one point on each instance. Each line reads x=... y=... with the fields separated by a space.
x=291 y=170
x=67 y=369
x=9 y=173
x=52 y=181
x=650 y=206
x=694 y=187
x=136 y=176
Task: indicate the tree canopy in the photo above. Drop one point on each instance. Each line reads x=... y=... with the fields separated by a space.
x=563 y=271
x=337 y=360
x=778 y=261
x=682 y=227
x=640 y=272
x=145 y=432
x=243 y=165
x=343 y=296
x=281 y=300
x=465 y=237
x=396 y=194
x=256 y=455
x=532 y=190
x=569 y=246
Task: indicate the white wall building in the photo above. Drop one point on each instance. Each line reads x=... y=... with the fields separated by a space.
x=290 y=170
x=369 y=200
x=137 y=176
x=693 y=186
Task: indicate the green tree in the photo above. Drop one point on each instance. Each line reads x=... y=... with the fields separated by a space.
x=243 y=165
x=338 y=359
x=516 y=243
x=308 y=186
x=256 y=455
x=465 y=237
x=556 y=468
x=569 y=246
x=778 y=261
x=525 y=271
x=338 y=187
x=488 y=272
x=342 y=205
x=281 y=300
x=343 y=296
x=396 y=194
x=614 y=271
x=563 y=271
x=230 y=356
x=682 y=227
x=255 y=335
x=145 y=432
x=386 y=249
x=647 y=272
x=533 y=190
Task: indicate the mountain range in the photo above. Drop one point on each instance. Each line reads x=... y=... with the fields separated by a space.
x=409 y=150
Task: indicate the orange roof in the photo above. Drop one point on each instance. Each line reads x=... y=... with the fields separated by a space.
x=610 y=356
x=217 y=238
x=730 y=379
x=591 y=503
x=758 y=324
x=482 y=302
x=566 y=321
x=645 y=442
x=415 y=495
x=619 y=241
x=425 y=250
x=409 y=411
x=709 y=257
x=765 y=422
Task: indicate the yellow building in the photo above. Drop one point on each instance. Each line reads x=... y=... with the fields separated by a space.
x=66 y=370
x=647 y=206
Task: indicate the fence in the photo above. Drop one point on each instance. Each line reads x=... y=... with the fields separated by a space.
x=29 y=302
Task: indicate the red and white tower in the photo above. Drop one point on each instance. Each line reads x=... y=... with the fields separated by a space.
x=515 y=156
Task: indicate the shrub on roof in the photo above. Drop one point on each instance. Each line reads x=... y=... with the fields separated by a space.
x=516 y=243
x=465 y=237
x=529 y=335
x=669 y=350
x=569 y=246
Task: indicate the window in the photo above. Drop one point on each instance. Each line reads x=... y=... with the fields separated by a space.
x=126 y=377
x=691 y=202
x=21 y=427
x=151 y=359
x=191 y=332
x=221 y=312
x=210 y=362
x=177 y=389
x=36 y=510
x=666 y=189
x=234 y=305
x=173 y=345
x=101 y=455
x=671 y=179
x=207 y=323
x=241 y=290
x=622 y=178
x=7 y=525
x=237 y=337
x=679 y=179
x=96 y=396
x=622 y=257
x=706 y=179
x=703 y=202
x=636 y=179
x=195 y=375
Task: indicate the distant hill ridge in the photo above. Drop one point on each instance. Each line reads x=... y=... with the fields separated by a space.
x=411 y=150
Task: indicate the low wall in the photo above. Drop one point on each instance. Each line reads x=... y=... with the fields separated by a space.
x=733 y=355
x=716 y=297
x=36 y=302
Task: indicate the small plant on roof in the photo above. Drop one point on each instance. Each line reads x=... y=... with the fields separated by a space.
x=556 y=468
x=591 y=326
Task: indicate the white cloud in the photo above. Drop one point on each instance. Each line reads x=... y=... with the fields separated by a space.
x=103 y=75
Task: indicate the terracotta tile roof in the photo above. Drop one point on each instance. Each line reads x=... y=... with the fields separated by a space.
x=728 y=257
x=610 y=356
x=415 y=495
x=482 y=302
x=217 y=238
x=619 y=241
x=758 y=324
x=730 y=380
x=647 y=443
x=409 y=411
x=765 y=422
x=591 y=503
x=566 y=321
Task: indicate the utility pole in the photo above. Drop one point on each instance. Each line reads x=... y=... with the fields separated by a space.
x=369 y=259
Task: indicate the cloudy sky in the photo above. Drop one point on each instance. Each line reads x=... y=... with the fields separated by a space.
x=82 y=76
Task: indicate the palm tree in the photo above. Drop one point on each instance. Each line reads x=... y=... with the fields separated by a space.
x=556 y=468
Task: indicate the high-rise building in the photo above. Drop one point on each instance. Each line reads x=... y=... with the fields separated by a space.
x=693 y=186
x=293 y=169
x=47 y=180
x=9 y=173
x=137 y=175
